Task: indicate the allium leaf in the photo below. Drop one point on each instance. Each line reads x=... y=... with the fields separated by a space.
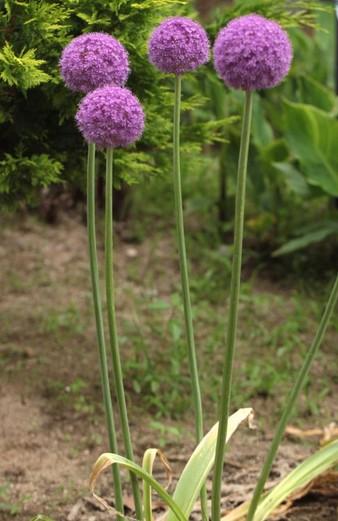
x=300 y=477
x=200 y=464
x=108 y=459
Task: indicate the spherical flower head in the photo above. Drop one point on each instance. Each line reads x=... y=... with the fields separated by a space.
x=110 y=117
x=178 y=45
x=93 y=60
x=252 y=53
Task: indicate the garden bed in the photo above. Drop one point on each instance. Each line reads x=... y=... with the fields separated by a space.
x=53 y=429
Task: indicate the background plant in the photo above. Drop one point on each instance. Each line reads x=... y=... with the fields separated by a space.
x=291 y=201
x=285 y=176
x=32 y=35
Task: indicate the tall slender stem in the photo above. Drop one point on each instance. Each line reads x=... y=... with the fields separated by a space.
x=192 y=358
x=117 y=369
x=299 y=384
x=233 y=308
x=94 y=271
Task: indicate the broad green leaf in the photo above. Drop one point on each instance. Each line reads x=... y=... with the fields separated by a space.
x=312 y=467
x=199 y=465
x=217 y=96
x=262 y=133
x=330 y=228
x=276 y=150
x=312 y=136
x=293 y=178
x=315 y=93
x=107 y=459
x=300 y=477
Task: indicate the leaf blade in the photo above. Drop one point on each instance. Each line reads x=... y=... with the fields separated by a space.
x=107 y=459
x=300 y=477
x=200 y=464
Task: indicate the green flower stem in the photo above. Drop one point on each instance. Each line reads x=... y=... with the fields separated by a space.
x=299 y=384
x=117 y=369
x=233 y=308
x=196 y=391
x=94 y=271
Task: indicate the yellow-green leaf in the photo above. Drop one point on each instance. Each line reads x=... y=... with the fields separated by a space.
x=147 y=465
x=201 y=462
x=301 y=476
x=107 y=459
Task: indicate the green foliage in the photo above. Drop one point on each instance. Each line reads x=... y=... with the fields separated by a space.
x=7 y=506
x=151 y=378
x=73 y=397
x=193 y=476
x=311 y=135
x=165 y=434
x=22 y=175
x=37 y=110
x=23 y=71
x=310 y=235
x=318 y=463
x=201 y=462
x=289 y=13
x=293 y=166
x=196 y=471
x=60 y=323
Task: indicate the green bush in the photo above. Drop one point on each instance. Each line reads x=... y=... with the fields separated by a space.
x=42 y=144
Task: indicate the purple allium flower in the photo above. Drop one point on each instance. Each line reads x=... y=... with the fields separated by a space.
x=252 y=52
x=110 y=117
x=93 y=60
x=178 y=45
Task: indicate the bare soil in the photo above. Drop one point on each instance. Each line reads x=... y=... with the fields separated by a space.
x=52 y=429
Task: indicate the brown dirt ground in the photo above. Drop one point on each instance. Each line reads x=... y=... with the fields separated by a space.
x=50 y=435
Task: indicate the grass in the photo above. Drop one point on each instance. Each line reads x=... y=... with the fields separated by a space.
x=65 y=321
x=271 y=344
x=7 y=505
x=73 y=396
x=276 y=331
x=277 y=322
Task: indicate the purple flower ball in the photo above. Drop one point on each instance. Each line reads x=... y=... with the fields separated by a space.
x=93 y=60
x=110 y=117
x=252 y=53
x=178 y=45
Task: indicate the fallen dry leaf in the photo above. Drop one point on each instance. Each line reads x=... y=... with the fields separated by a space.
x=326 y=434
